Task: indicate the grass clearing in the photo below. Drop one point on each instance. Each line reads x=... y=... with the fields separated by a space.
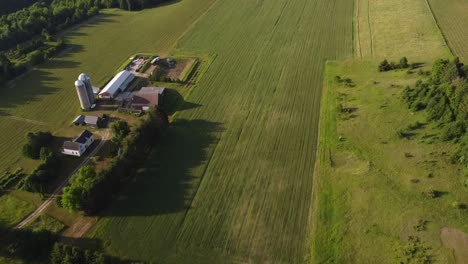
x=370 y=193
x=452 y=19
x=13 y=210
x=395 y=28
x=232 y=179
x=45 y=222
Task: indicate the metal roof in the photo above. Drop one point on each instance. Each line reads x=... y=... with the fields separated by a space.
x=71 y=145
x=83 y=137
x=117 y=82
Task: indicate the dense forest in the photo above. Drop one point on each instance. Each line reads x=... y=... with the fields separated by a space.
x=26 y=35
x=10 y=6
x=444 y=97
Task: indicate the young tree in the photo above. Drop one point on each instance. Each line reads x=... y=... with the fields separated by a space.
x=120 y=130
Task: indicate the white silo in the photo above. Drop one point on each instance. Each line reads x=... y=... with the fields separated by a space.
x=82 y=95
x=89 y=88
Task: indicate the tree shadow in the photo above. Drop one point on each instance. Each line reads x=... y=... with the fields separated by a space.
x=36 y=246
x=168 y=180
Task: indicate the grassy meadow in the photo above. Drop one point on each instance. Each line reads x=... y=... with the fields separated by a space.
x=13 y=210
x=452 y=19
x=231 y=181
x=45 y=98
x=395 y=28
x=372 y=189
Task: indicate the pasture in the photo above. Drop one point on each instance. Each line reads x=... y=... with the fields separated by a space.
x=231 y=181
x=45 y=98
x=396 y=28
x=372 y=185
x=452 y=19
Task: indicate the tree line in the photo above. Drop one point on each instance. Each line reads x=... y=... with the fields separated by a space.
x=10 y=6
x=23 y=33
x=444 y=97
x=91 y=191
x=44 y=247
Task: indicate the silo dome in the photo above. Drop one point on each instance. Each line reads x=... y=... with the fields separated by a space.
x=79 y=83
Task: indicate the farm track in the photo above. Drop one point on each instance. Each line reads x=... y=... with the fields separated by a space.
x=232 y=180
x=59 y=188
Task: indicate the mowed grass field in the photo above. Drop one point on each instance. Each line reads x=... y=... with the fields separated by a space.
x=452 y=18
x=45 y=99
x=395 y=28
x=231 y=182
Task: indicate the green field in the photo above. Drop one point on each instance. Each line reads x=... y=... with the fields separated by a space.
x=453 y=20
x=13 y=210
x=45 y=99
x=396 y=28
x=370 y=191
x=232 y=179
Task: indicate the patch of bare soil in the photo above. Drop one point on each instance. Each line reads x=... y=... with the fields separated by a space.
x=457 y=241
x=175 y=73
x=79 y=228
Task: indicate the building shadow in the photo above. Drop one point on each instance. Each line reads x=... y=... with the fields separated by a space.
x=173 y=101
x=167 y=181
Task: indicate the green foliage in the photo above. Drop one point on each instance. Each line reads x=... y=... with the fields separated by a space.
x=414 y=252
x=89 y=191
x=388 y=66
x=62 y=253
x=27 y=244
x=444 y=96
x=120 y=130
x=75 y=195
x=35 y=142
x=42 y=175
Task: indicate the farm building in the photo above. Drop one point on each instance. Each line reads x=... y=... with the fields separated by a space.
x=91 y=121
x=118 y=84
x=147 y=97
x=79 y=145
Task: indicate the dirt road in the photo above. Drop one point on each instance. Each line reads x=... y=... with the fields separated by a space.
x=58 y=190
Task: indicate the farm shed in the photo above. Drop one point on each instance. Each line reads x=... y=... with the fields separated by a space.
x=118 y=84
x=79 y=145
x=91 y=121
x=147 y=97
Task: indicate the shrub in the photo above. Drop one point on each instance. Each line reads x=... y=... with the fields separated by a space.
x=454 y=130
x=36 y=141
x=403 y=63
x=35 y=57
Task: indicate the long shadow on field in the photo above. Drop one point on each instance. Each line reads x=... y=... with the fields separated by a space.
x=168 y=181
x=38 y=82
x=29 y=246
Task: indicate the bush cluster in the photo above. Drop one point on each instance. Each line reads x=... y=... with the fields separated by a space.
x=42 y=175
x=35 y=142
x=444 y=96
x=62 y=253
x=388 y=66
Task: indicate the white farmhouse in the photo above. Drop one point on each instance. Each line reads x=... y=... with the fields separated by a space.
x=79 y=145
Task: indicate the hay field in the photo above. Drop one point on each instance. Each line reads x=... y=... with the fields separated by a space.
x=395 y=28
x=45 y=99
x=232 y=179
x=452 y=17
